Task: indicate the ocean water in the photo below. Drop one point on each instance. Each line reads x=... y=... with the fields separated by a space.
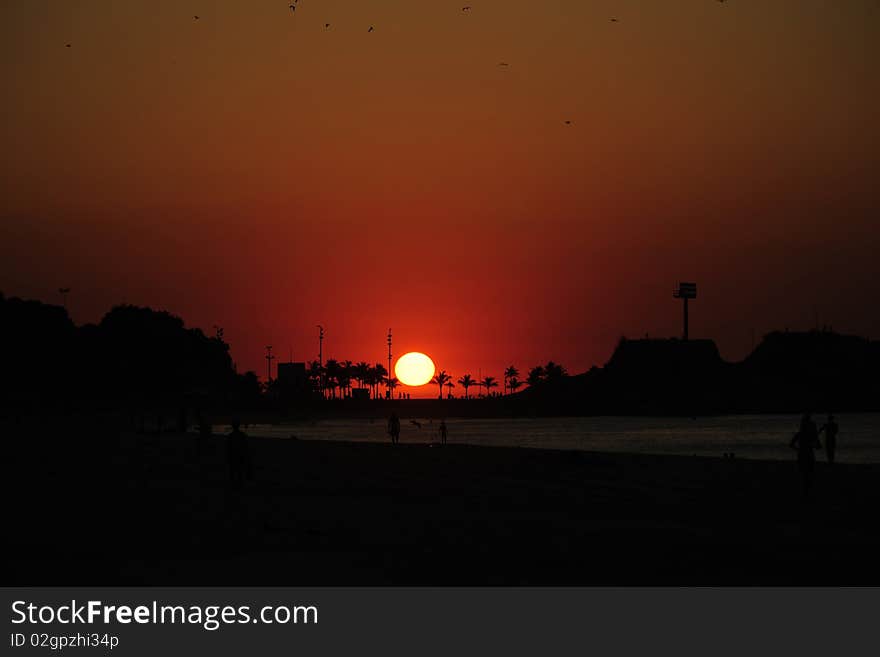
x=747 y=436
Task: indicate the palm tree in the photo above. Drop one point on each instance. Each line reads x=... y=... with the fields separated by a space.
x=316 y=376
x=361 y=370
x=332 y=370
x=466 y=382
x=440 y=379
x=536 y=376
x=344 y=378
x=449 y=386
x=488 y=383
x=392 y=384
x=510 y=373
x=514 y=384
x=379 y=375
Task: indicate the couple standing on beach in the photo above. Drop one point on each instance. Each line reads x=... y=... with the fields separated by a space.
x=806 y=442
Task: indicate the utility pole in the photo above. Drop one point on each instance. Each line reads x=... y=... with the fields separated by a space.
x=388 y=386
x=269 y=359
x=321 y=357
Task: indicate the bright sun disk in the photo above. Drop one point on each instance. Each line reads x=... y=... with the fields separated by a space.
x=414 y=369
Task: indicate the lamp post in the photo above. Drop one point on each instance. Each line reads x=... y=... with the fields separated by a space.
x=388 y=382
x=321 y=357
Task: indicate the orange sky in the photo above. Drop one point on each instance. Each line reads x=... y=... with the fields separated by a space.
x=256 y=171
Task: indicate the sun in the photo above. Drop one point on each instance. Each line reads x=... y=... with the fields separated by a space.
x=414 y=369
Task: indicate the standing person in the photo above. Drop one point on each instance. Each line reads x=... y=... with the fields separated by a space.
x=830 y=428
x=806 y=441
x=394 y=428
x=443 y=431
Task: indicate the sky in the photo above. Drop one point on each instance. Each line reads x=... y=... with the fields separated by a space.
x=255 y=170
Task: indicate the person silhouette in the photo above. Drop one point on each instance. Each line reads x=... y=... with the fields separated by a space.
x=394 y=428
x=238 y=454
x=830 y=428
x=443 y=431
x=806 y=441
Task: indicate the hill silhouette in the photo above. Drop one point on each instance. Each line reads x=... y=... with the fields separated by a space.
x=787 y=372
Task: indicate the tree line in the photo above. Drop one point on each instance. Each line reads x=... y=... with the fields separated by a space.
x=337 y=379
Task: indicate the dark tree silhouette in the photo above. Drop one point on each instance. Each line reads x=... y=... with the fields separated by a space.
x=553 y=371
x=440 y=379
x=466 y=382
x=536 y=376
x=510 y=373
x=488 y=383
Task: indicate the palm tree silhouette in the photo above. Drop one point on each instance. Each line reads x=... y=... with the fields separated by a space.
x=361 y=370
x=344 y=378
x=514 y=384
x=316 y=376
x=488 y=383
x=466 y=382
x=440 y=380
x=449 y=386
x=332 y=370
x=378 y=374
x=392 y=384
x=510 y=373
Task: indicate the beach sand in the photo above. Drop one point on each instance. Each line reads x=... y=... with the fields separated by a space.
x=150 y=510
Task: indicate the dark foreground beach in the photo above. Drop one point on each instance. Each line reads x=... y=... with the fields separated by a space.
x=136 y=509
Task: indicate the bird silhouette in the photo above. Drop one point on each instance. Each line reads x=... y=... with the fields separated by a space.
x=371 y=29
x=195 y=18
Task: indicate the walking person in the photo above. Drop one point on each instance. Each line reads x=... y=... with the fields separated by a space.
x=443 y=431
x=394 y=428
x=831 y=429
x=806 y=442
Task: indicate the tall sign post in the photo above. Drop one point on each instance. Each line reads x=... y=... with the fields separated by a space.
x=685 y=291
